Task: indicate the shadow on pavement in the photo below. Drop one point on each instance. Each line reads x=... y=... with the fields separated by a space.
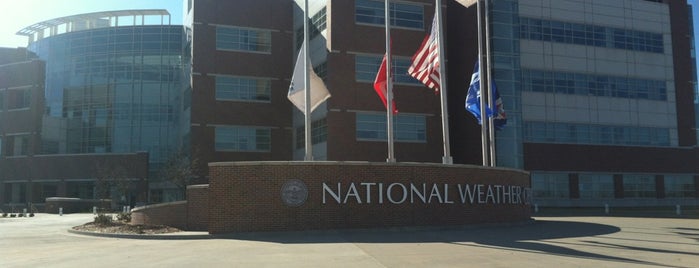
x=524 y=238
x=538 y=230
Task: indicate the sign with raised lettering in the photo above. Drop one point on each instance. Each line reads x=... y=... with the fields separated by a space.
x=424 y=193
x=282 y=196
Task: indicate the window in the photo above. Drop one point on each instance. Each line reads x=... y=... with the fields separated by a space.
x=596 y=185
x=18 y=98
x=595 y=134
x=241 y=39
x=80 y=189
x=400 y=71
x=407 y=128
x=241 y=88
x=402 y=14
x=366 y=67
x=679 y=186
x=319 y=21
x=639 y=186
x=42 y=190
x=317 y=24
x=596 y=85
x=319 y=133
x=243 y=139
x=581 y=34
x=550 y=185
x=20 y=145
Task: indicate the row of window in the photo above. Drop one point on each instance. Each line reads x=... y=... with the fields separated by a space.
x=366 y=67
x=317 y=23
x=548 y=132
x=242 y=39
x=153 y=47
x=595 y=85
x=243 y=88
x=406 y=128
x=17 y=145
x=245 y=139
x=596 y=186
x=259 y=89
x=402 y=14
x=589 y=35
x=366 y=11
x=15 y=99
x=370 y=127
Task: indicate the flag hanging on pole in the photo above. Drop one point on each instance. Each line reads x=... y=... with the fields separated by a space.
x=319 y=93
x=466 y=3
x=473 y=101
x=380 y=86
x=425 y=62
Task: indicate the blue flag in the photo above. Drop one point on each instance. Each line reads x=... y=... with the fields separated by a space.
x=473 y=101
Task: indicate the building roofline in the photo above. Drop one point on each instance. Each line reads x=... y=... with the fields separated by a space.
x=88 y=21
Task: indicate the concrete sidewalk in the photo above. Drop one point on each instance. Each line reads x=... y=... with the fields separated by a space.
x=43 y=241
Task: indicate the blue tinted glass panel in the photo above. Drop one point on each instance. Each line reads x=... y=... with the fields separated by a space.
x=241 y=88
x=402 y=14
x=242 y=39
x=580 y=34
x=407 y=128
x=244 y=139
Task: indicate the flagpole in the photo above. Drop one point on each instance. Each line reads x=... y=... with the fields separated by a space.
x=447 y=159
x=307 y=85
x=389 y=85
x=484 y=117
x=491 y=119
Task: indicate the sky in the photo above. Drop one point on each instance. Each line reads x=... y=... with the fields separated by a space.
x=18 y=14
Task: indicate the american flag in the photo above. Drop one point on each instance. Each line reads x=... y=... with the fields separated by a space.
x=425 y=62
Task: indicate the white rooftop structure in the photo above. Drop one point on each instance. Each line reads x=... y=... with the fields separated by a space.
x=95 y=20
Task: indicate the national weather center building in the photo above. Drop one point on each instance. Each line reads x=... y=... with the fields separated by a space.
x=600 y=95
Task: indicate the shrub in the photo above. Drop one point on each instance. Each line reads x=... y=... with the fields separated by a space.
x=103 y=219
x=124 y=216
x=31 y=214
x=13 y=215
x=4 y=215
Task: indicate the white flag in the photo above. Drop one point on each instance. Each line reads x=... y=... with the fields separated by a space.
x=319 y=93
x=466 y=3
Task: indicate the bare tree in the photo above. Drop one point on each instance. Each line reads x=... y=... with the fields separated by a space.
x=110 y=175
x=179 y=169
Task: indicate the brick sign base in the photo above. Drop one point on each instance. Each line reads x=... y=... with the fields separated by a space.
x=286 y=196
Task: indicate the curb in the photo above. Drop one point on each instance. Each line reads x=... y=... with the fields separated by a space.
x=145 y=236
x=246 y=235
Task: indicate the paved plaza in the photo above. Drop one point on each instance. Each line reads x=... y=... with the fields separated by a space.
x=574 y=241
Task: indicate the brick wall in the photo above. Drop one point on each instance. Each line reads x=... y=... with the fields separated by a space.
x=172 y=214
x=246 y=196
x=197 y=207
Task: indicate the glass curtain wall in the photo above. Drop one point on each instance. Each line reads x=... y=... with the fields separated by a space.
x=504 y=37
x=114 y=90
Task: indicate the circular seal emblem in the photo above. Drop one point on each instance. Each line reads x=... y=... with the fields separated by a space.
x=294 y=193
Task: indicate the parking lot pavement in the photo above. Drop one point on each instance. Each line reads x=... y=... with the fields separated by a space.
x=592 y=241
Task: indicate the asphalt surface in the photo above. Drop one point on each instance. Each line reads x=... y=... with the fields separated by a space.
x=590 y=241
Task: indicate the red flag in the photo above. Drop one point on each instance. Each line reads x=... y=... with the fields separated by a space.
x=425 y=62
x=380 y=85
